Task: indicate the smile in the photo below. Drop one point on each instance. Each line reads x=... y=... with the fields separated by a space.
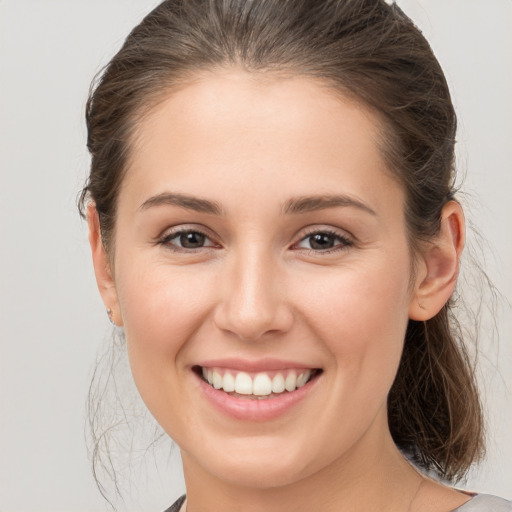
x=257 y=390
x=261 y=385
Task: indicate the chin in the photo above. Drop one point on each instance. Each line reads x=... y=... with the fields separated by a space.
x=261 y=463
x=260 y=474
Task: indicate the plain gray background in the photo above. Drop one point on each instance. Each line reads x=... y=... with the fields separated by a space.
x=51 y=318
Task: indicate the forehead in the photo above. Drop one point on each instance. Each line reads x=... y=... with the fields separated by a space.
x=281 y=134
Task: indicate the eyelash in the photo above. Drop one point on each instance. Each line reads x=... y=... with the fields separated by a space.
x=343 y=244
x=166 y=240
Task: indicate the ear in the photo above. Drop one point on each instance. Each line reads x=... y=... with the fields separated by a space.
x=102 y=266
x=438 y=265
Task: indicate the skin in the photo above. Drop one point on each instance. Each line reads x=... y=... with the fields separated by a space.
x=258 y=289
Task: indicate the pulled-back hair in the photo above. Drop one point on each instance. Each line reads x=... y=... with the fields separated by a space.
x=365 y=49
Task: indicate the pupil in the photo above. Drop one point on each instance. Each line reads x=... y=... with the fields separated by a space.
x=321 y=241
x=192 y=240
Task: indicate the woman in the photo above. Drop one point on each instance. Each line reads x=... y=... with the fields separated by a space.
x=273 y=224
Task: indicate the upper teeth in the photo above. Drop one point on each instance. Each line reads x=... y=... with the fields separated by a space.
x=260 y=384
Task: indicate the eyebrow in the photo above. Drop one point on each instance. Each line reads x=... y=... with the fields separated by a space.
x=183 y=201
x=295 y=205
x=305 y=204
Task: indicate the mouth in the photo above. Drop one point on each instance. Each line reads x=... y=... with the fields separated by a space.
x=263 y=385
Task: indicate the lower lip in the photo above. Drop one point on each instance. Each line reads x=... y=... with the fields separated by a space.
x=253 y=409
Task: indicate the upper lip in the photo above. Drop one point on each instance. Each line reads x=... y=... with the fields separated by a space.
x=257 y=365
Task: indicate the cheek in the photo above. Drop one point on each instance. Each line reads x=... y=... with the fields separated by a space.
x=162 y=308
x=361 y=316
x=160 y=304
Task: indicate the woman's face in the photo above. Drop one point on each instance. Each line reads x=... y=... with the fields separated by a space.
x=261 y=242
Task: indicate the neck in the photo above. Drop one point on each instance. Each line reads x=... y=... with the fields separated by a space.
x=373 y=476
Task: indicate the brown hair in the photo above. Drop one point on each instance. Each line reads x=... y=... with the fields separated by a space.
x=364 y=48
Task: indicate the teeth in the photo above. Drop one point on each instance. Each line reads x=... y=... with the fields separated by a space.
x=243 y=384
x=228 y=383
x=278 y=384
x=302 y=379
x=261 y=385
x=290 y=382
x=217 y=380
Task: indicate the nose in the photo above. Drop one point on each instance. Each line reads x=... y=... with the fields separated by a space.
x=253 y=301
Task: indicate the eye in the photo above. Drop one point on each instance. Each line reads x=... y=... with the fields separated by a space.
x=324 y=241
x=186 y=240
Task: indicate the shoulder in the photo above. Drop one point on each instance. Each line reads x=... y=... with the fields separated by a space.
x=175 y=507
x=479 y=503
x=486 y=503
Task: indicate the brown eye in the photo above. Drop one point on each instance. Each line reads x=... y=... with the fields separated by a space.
x=188 y=240
x=324 y=241
x=321 y=241
x=191 y=240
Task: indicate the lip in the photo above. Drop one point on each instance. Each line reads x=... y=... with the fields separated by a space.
x=255 y=366
x=253 y=409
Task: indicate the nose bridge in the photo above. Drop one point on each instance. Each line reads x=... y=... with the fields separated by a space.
x=253 y=301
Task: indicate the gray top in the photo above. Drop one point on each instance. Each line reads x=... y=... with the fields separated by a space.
x=479 y=503
x=485 y=503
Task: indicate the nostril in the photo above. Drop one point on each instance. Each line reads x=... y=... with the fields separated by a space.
x=253 y=324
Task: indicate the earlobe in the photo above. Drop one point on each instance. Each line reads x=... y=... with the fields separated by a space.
x=439 y=265
x=102 y=267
